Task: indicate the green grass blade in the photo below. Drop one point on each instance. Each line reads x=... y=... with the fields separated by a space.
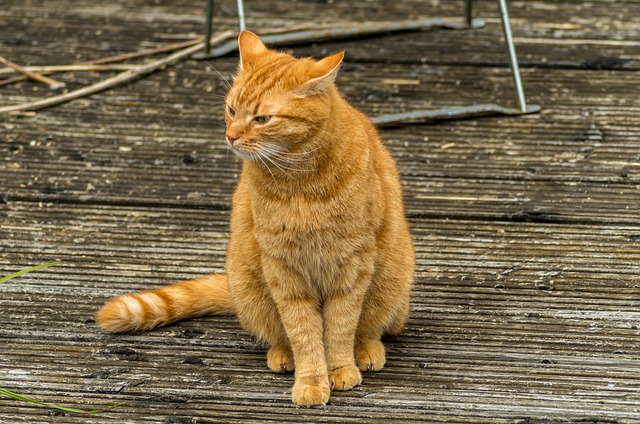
x=36 y=402
x=24 y=271
x=60 y=408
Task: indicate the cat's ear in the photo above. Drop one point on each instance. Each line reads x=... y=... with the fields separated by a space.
x=323 y=74
x=250 y=46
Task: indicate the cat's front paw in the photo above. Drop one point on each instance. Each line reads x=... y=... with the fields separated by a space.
x=370 y=355
x=280 y=359
x=345 y=378
x=310 y=393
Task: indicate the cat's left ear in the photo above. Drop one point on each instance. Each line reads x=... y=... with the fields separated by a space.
x=323 y=74
x=250 y=46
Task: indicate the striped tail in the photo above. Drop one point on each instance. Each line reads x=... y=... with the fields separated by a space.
x=152 y=308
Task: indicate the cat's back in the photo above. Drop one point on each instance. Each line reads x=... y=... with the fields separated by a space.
x=359 y=127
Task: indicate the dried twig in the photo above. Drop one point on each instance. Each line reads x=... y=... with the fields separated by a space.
x=93 y=65
x=49 y=69
x=117 y=79
x=192 y=47
x=12 y=80
x=147 y=52
x=228 y=44
x=43 y=70
x=87 y=66
x=33 y=75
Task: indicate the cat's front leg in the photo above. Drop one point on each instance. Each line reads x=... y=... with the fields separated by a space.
x=341 y=314
x=302 y=320
x=303 y=324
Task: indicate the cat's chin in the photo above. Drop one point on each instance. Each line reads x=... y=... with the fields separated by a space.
x=244 y=155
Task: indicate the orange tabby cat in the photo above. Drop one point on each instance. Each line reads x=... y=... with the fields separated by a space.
x=320 y=261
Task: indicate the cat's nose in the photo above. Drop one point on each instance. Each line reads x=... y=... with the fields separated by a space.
x=231 y=138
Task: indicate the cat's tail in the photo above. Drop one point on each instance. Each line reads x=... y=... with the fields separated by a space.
x=153 y=308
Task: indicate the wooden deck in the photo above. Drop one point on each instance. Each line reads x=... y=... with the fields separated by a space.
x=527 y=303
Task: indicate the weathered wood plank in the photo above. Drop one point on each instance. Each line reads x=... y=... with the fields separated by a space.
x=597 y=35
x=509 y=323
x=578 y=160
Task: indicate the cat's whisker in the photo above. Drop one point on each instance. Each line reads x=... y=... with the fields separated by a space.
x=280 y=167
x=216 y=104
x=283 y=156
x=279 y=164
x=275 y=157
x=306 y=152
x=226 y=81
x=290 y=165
x=289 y=156
x=228 y=150
x=257 y=155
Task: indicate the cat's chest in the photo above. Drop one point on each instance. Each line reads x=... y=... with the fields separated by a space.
x=298 y=218
x=303 y=228
x=315 y=241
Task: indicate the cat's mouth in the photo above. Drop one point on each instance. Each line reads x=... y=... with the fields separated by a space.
x=242 y=154
x=273 y=159
x=245 y=152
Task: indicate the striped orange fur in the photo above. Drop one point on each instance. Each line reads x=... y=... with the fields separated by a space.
x=320 y=261
x=152 y=308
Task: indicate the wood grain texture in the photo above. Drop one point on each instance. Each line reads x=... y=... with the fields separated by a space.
x=527 y=229
x=493 y=303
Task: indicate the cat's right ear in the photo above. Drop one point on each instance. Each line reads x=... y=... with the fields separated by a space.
x=250 y=46
x=323 y=74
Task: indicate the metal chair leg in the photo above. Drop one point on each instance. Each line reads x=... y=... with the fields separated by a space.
x=513 y=59
x=417 y=116
x=209 y=23
x=474 y=110
x=241 y=15
x=209 y=27
x=468 y=13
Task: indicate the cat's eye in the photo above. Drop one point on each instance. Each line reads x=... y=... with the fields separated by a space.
x=231 y=111
x=262 y=119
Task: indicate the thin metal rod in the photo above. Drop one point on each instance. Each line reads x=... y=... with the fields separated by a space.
x=209 y=27
x=456 y=112
x=513 y=59
x=240 y=16
x=468 y=12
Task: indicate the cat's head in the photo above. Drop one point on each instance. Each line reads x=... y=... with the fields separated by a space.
x=277 y=103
